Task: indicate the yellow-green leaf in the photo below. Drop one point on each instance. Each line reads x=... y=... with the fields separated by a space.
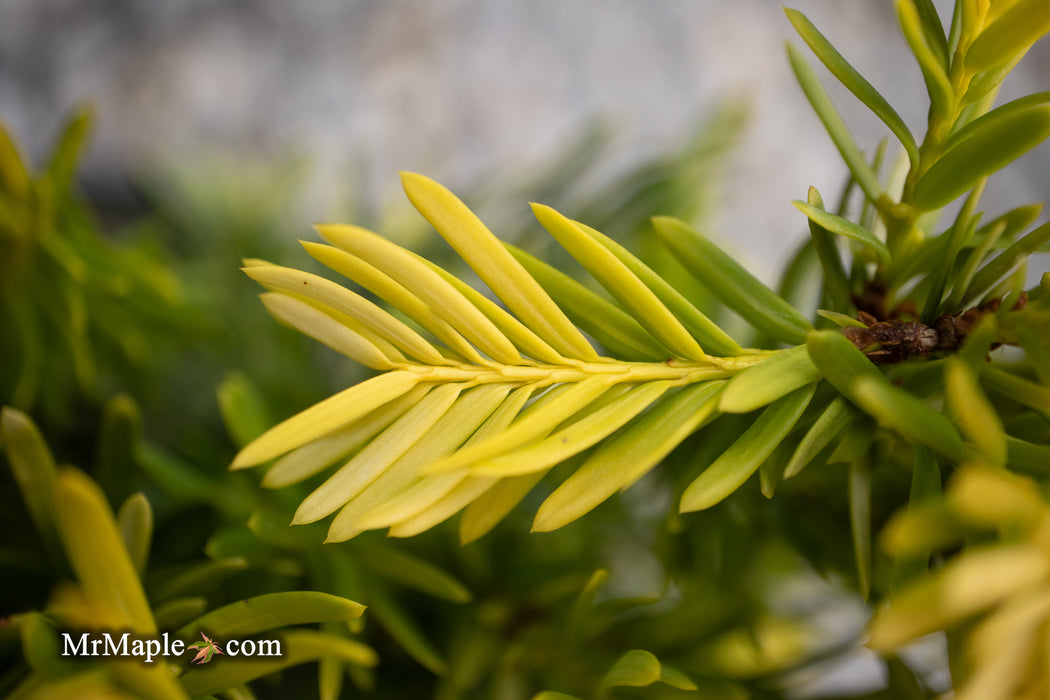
x=426 y=284
x=387 y=288
x=984 y=151
x=576 y=437
x=607 y=323
x=495 y=265
x=303 y=462
x=464 y=417
x=494 y=504
x=836 y=128
x=341 y=334
x=844 y=227
x=834 y=419
x=710 y=336
x=909 y=415
x=437 y=496
x=570 y=400
x=378 y=455
x=322 y=418
x=1009 y=35
x=622 y=461
x=942 y=95
x=840 y=362
x=731 y=283
x=341 y=299
x=727 y=473
x=623 y=284
x=855 y=82
x=761 y=384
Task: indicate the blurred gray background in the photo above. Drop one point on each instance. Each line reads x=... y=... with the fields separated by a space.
x=462 y=90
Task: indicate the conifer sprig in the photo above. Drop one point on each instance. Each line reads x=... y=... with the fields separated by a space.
x=477 y=395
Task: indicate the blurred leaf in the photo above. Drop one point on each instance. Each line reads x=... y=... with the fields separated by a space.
x=34 y=472
x=994 y=499
x=13 y=174
x=413 y=571
x=403 y=629
x=1027 y=457
x=297 y=647
x=243 y=409
x=974 y=414
x=107 y=576
x=41 y=647
x=912 y=562
x=636 y=668
x=860 y=522
x=271 y=611
x=115 y=463
x=177 y=612
x=135 y=520
x=67 y=151
x=195 y=579
x=96 y=551
x=966 y=586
